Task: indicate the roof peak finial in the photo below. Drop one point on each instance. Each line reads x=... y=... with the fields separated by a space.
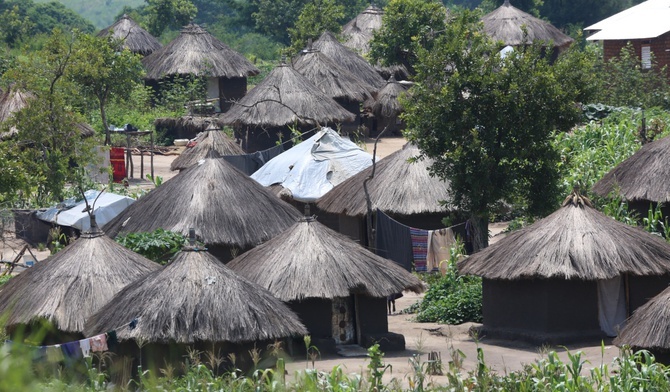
x=506 y=3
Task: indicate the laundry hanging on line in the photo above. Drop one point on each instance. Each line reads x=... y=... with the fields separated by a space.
x=250 y=163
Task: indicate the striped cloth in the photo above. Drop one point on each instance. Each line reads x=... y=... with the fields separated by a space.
x=419 y=248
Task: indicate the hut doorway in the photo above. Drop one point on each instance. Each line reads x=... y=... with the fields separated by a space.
x=612 y=306
x=344 y=331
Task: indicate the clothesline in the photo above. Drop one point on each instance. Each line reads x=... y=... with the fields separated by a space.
x=410 y=227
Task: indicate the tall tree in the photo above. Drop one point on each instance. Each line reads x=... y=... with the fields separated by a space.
x=487 y=121
x=163 y=14
x=316 y=17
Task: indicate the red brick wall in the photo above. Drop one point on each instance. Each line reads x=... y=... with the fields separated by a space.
x=660 y=47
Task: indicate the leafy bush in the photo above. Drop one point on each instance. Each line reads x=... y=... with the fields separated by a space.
x=4 y=279
x=159 y=245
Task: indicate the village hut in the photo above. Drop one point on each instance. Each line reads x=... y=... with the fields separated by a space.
x=194 y=302
x=282 y=100
x=358 y=32
x=337 y=287
x=334 y=81
x=196 y=52
x=514 y=27
x=348 y=59
x=574 y=275
x=185 y=127
x=211 y=143
x=65 y=289
x=385 y=109
x=135 y=38
x=643 y=179
x=233 y=211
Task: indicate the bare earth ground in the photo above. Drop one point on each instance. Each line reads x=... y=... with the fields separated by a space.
x=421 y=338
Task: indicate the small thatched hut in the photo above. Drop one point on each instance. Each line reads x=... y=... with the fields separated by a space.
x=233 y=211
x=643 y=179
x=574 y=275
x=505 y=24
x=212 y=143
x=135 y=38
x=337 y=287
x=196 y=52
x=185 y=127
x=348 y=59
x=358 y=32
x=67 y=288
x=195 y=301
x=385 y=109
x=283 y=99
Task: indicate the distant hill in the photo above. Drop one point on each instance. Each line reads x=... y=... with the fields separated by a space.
x=99 y=12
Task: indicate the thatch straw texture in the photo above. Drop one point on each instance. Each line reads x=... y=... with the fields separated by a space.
x=190 y=124
x=199 y=53
x=333 y=80
x=399 y=187
x=208 y=144
x=643 y=176
x=358 y=32
x=85 y=130
x=68 y=287
x=283 y=98
x=227 y=206
x=135 y=38
x=504 y=24
x=398 y=71
x=649 y=326
x=387 y=104
x=575 y=242
x=196 y=298
x=348 y=59
x=310 y=260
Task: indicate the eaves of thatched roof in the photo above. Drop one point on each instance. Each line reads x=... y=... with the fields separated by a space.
x=284 y=98
x=398 y=187
x=649 y=327
x=575 y=242
x=196 y=298
x=505 y=24
x=310 y=260
x=643 y=176
x=199 y=53
x=68 y=287
x=358 y=32
x=228 y=207
x=348 y=59
x=333 y=80
x=212 y=143
x=386 y=104
x=135 y=38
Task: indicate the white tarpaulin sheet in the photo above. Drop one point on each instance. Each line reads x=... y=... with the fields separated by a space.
x=313 y=167
x=108 y=206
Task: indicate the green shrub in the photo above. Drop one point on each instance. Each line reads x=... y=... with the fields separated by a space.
x=4 y=279
x=159 y=245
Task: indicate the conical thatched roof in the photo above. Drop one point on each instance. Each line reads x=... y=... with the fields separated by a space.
x=199 y=53
x=135 y=38
x=399 y=187
x=575 y=242
x=387 y=104
x=649 y=326
x=68 y=287
x=196 y=298
x=310 y=260
x=358 y=31
x=230 y=208
x=643 y=176
x=283 y=98
x=348 y=59
x=192 y=124
x=333 y=80
x=504 y=24
x=212 y=143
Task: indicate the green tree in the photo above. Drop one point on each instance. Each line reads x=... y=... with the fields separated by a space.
x=15 y=26
x=163 y=14
x=407 y=26
x=316 y=17
x=275 y=17
x=487 y=121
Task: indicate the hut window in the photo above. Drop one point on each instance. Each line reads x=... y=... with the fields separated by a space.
x=646 y=57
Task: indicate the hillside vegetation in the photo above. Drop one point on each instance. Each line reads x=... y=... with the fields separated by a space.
x=99 y=12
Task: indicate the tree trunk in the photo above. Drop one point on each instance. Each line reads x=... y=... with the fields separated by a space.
x=477 y=231
x=103 y=116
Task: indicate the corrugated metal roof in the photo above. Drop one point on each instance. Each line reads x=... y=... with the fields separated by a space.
x=645 y=20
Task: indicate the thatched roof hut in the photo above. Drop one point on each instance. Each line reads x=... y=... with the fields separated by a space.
x=212 y=143
x=232 y=210
x=134 y=37
x=68 y=287
x=645 y=176
x=310 y=265
x=284 y=98
x=348 y=59
x=185 y=127
x=386 y=108
x=505 y=24
x=569 y=264
x=358 y=32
